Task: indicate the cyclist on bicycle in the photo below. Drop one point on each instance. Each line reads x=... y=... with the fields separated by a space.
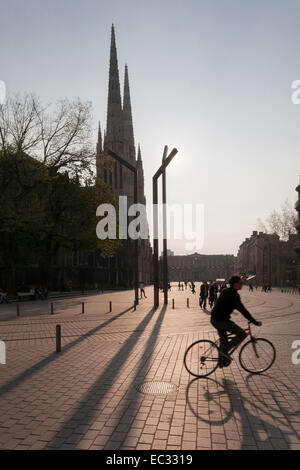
x=228 y=301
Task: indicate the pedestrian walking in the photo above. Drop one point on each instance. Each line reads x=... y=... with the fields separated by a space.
x=142 y=289
x=203 y=294
x=212 y=289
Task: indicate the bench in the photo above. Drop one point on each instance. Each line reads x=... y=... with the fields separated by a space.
x=26 y=295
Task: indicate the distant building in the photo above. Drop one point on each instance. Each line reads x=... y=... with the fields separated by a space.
x=197 y=267
x=272 y=260
x=169 y=253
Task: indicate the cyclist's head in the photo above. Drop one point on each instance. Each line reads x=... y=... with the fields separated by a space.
x=236 y=282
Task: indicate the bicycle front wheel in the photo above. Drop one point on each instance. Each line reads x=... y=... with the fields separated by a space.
x=257 y=355
x=201 y=358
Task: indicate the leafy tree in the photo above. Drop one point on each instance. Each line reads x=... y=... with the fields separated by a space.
x=48 y=193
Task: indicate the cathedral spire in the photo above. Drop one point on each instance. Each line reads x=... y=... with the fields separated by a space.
x=141 y=190
x=127 y=119
x=98 y=151
x=139 y=156
x=114 y=125
x=99 y=142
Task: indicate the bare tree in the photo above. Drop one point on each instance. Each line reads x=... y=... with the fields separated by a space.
x=59 y=135
x=280 y=222
x=19 y=123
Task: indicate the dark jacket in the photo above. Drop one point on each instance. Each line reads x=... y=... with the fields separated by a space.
x=203 y=290
x=228 y=301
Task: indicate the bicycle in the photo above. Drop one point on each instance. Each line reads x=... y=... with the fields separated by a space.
x=256 y=356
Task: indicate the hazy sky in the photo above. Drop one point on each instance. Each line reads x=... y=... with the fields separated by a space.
x=212 y=78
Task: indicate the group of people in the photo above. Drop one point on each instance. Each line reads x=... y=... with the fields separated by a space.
x=185 y=284
x=181 y=285
x=39 y=293
x=210 y=292
x=161 y=286
x=266 y=288
x=35 y=293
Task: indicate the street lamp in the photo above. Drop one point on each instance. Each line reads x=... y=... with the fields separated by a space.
x=166 y=161
x=136 y=245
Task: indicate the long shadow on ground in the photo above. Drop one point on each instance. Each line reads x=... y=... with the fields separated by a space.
x=52 y=357
x=255 y=431
x=86 y=408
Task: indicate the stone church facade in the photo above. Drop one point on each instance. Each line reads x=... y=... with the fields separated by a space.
x=119 y=137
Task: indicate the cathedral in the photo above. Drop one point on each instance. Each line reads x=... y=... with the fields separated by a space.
x=119 y=137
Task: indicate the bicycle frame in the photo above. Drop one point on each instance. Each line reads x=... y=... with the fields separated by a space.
x=230 y=335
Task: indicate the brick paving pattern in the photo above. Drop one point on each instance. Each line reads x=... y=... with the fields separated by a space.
x=86 y=397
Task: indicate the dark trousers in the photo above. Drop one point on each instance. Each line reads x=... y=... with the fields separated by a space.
x=143 y=292
x=229 y=326
x=203 y=301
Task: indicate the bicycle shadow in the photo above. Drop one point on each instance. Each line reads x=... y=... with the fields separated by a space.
x=285 y=406
x=246 y=424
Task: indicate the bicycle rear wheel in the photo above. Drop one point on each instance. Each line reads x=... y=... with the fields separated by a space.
x=201 y=358
x=257 y=355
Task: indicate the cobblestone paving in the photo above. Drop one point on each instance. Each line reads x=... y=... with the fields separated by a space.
x=86 y=397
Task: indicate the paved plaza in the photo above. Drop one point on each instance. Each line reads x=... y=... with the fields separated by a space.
x=86 y=396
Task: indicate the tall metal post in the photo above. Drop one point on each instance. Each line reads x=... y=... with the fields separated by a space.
x=155 y=245
x=135 y=200
x=136 y=247
x=159 y=172
x=165 y=253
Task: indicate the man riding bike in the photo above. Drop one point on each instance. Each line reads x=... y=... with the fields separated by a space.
x=228 y=301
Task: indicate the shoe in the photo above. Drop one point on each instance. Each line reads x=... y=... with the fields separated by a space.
x=226 y=362
x=221 y=362
x=226 y=356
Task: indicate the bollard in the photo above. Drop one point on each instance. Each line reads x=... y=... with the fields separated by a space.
x=134 y=305
x=82 y=307
x=52 y=308
x=110 y=306
x=18 y=310
x=188 y=303
x=58 y=338
x=173 y=306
